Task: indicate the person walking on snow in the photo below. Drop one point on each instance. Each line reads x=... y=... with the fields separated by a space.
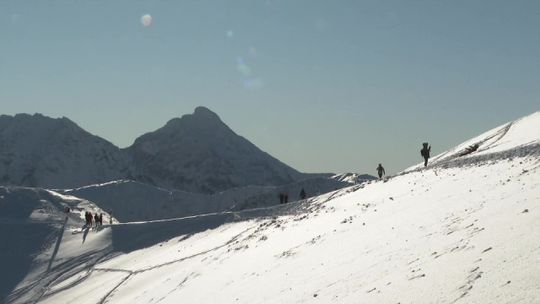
x=380 y=171
x=88 y=217
x=425 y=153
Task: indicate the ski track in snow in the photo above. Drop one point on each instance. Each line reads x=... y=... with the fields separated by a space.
x=133 y=273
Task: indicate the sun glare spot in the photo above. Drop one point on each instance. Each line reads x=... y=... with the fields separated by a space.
x=146 y=20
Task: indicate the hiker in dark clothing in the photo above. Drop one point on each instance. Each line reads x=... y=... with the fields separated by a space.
x=302 y=194
x=87 y=219
x=425 y=153
x=281 y=198
x=101 y=219
x=286 y=198
x=96 y=219
x=380 y=171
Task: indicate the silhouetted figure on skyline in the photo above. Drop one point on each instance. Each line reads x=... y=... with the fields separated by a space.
x=281 y=198
x=380 y=171
x=425 y=153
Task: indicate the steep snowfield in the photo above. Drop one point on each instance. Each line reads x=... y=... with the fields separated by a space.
x=34 y=230
x=463 y=230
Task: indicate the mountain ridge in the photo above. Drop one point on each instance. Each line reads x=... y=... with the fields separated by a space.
x=38 y=150
x=196 y=152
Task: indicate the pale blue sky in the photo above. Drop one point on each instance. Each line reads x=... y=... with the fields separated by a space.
x=322 y=85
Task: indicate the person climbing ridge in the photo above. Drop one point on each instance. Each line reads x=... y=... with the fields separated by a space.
x=425 y=153
x=380 y=171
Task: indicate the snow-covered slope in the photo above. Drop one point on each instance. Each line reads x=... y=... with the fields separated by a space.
x=353 y=178
x=40 y=151
x=463 y=231
x=33 y=227
x=135 y=201
x=504 y=140
x=199 y=153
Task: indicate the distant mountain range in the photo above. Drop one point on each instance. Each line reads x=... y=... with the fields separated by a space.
x=196 y=153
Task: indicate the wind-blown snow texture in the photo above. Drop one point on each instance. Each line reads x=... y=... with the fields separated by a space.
x=464 y=230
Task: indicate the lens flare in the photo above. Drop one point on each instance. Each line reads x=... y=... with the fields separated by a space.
x=242 y=67
x=146 y=20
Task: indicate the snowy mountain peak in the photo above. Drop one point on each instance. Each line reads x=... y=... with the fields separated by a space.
x=205 y=113
x=54 y=152
x=202 y=120
x=200 y=153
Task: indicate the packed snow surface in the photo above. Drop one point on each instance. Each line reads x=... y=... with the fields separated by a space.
x=463 y=230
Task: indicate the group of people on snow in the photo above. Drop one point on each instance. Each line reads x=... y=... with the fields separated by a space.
x=425 y=151
x=96 y=219
x=284 y=196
